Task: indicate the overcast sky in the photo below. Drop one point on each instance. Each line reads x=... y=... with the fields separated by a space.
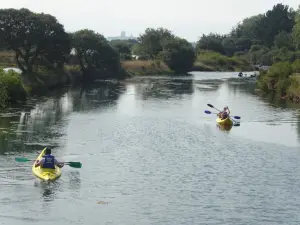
x=188 y=19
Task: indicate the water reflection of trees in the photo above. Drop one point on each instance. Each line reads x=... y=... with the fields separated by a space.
x=164 y=88
x=42 y=122
x=99 y=95
x=241 y=86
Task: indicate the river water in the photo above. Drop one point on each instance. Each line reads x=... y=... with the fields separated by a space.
x=151 y=155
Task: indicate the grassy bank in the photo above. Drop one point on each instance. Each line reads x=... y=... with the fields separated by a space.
x=283 y=79
x=213 y=61
x=146 y=67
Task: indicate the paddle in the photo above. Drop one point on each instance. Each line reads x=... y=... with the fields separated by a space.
x=211 y=106
x=209 y=112
x=71 y=164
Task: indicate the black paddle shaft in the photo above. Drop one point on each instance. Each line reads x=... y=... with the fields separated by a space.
x=211 y=106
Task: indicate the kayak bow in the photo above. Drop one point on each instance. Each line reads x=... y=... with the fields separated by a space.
x=226 y=121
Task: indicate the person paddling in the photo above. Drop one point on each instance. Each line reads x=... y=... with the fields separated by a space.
x=48 y=161
x=224 y=114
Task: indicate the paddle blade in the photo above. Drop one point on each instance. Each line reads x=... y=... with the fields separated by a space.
x=22 y=160
x=207 y=112
x=237 y=117
x=74 y=164
x=211 y=106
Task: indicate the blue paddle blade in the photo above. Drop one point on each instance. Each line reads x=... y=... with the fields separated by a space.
x=237 y=117
x=207 y=112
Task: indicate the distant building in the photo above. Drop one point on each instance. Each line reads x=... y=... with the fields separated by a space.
x=122 y=37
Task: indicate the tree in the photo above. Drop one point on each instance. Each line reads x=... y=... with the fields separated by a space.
x=296 y=30
x=123 y=47
x=211 y=42
x=245 y=29
x=283 y=39
x=179 y=55
x=33 y=37
x=152 y=41
x=94 y=52
x=229 y=46
x=280 y=18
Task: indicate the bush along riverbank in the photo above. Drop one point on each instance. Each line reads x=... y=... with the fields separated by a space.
x=283 y=79
x=213 y=61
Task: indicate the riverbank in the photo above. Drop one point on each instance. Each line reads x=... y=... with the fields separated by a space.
x=216 y=62
x=210 y=62
x=145 y=67
x=282 y=79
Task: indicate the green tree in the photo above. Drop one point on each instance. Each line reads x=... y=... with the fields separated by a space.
x=123 y=48
x=94 y=52
x=283 y=39
x=179 y=55
x=245 y=29
x=296 y=29
x=130 y=43
x=152 y=41
x=211 y=42
x=34 y=38
x=280 y=18
x=229 y=46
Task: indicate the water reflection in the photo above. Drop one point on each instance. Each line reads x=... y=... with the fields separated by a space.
x=208 y=85
x=225 y=127
x=236 y=85
x=164 y=88
x=30 y=127
x=102 y=94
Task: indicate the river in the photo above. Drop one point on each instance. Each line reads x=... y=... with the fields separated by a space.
x=151 y=155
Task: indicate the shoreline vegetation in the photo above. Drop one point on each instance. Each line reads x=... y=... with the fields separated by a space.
x=49 y=57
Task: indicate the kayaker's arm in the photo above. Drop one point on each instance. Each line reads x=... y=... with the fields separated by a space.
x=38 y=163
x=59 y=164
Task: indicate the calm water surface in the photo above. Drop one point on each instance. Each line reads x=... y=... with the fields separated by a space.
x=152 y=156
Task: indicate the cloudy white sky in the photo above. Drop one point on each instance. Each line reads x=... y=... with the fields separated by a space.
x=186 y=18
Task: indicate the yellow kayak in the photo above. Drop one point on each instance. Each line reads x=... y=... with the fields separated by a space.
x=226 y=121
x=43 y=173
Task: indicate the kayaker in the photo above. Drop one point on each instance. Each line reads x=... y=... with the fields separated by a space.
x=224 y=114
x=48 y=161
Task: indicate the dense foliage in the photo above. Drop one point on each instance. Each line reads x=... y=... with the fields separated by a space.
x=161 y=44
x=38 y=40
x=261 y=39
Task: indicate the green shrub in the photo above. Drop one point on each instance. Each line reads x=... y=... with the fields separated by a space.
x=296 y=66
x=280 y=69
x=221 y=62
x=11 y=89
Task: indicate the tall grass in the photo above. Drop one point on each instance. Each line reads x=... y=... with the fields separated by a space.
x=147 y=67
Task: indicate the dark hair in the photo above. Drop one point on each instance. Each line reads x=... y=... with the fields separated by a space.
x=48 y=151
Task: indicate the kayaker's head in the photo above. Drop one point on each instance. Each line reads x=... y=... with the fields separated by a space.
x=48 y=151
